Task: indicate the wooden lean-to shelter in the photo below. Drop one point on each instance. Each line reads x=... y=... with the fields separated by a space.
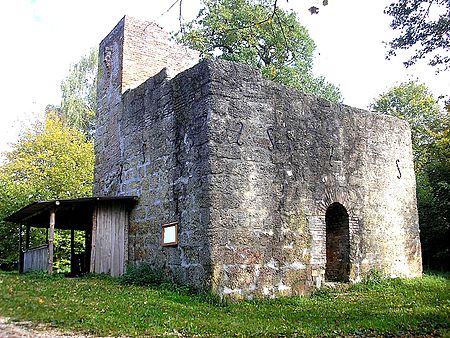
x=104 y=221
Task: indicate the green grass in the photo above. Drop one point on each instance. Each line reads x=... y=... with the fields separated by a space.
x=103 y=306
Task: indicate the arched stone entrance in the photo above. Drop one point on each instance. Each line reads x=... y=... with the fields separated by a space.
x=337 y=244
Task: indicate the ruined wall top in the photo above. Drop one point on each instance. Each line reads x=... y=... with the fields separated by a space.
x=145 y=50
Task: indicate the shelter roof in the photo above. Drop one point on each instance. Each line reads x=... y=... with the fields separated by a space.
x=69 y=213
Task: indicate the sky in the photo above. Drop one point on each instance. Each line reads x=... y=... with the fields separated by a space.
x=42 y=38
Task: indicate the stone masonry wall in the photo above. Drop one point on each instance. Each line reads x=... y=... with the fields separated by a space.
x=248 y=169
x=138 y=149
x=131 y=53
x=165 y=155
x=109 y=111
x=278 y=160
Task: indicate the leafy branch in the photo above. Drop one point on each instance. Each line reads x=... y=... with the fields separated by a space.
x=261 y=34
x=430 y=37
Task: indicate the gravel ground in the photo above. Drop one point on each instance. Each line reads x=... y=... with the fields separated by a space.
x=12 y=329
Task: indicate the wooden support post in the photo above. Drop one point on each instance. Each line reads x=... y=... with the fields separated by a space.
x=50 y=241
x=27 y=238
x=20 y=249
x=87 y=246
x=72 y=252
x=93 y=239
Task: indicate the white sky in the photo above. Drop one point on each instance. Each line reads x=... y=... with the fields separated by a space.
x=41 y=38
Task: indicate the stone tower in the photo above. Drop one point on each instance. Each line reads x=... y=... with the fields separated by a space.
x=134 y=51
x=266 y=191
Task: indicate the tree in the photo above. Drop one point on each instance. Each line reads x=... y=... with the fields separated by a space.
x=425 y=25
x=258 y=33
x=431 y=146
x=79 y=94
x=49 y=161
x=434 y=204
x=414 y=103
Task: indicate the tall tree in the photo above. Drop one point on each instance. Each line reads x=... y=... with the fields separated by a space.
x=425 y=26
x=49 y=161
x=434 y=203
x=431 y=146
x=414 y=103
x=79 y=93
x=258 y=33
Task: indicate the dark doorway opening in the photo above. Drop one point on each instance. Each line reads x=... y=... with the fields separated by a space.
x=337 y=244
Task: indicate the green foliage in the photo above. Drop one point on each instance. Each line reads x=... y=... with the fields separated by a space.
x=61 y=254
x=425 y=26
x=414 y=103
x=434 y=203
x=148 y=276
x=79 y=94
x=103 y=307
x=258 y=33
x=49 y=161
x=323 y=293
x=374 y=279
x=143 y=275
x=431 y=146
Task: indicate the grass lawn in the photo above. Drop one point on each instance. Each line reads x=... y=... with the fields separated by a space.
x=102 y=306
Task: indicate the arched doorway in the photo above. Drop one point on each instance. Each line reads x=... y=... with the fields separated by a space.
x=337 y=244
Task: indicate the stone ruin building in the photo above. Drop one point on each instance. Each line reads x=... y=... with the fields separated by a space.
x=264 y=190
x=244 y=187
x=232 y=183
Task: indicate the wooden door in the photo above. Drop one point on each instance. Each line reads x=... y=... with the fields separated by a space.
x=108 y=252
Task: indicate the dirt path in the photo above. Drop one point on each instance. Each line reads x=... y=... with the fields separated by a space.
x=28 y=329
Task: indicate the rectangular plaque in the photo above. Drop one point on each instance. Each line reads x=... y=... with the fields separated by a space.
x=170 y=234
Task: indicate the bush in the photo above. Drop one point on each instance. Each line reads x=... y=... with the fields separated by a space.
x=376 y=280
x=143 y=275
x=322 y=293
x=374 y=277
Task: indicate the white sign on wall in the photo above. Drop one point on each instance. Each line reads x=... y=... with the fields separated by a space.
x=170 y=234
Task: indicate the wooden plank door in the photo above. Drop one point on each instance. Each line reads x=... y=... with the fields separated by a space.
x=108 y=253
